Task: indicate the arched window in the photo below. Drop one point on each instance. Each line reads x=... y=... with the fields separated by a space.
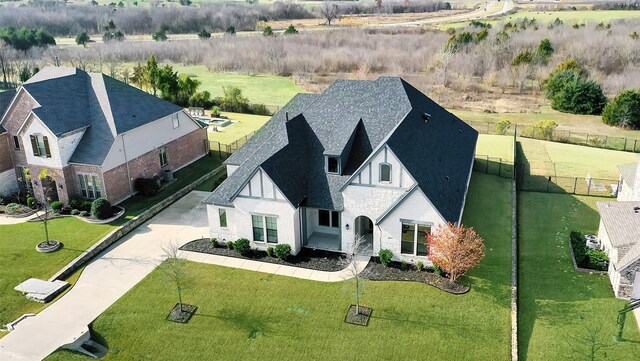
x=385 y=172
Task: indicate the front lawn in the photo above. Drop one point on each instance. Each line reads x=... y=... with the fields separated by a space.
x=20 y=261
x=245 y=315
x=559 y=307
x=246 y=124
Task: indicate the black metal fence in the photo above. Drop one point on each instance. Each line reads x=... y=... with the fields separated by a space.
x=560 y=136
x=224 y=150
x=570 y=185
x=493 y=165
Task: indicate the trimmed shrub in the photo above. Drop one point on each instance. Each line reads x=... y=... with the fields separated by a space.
x=597 y=259
x=569 y=92
x=101 y=208
x=80 y=204
x=56 y=206
x=282 y=251
x=13 y=208
x=230 y=244
x=242 y=246
x=147 y=186
x=385 y=257
x=437 y=270
x=31 y=202
x=502 y=125
x=270 y=251
x=420 y=266
x=214 y=242
x=404 y=265
x=84 y=214
x=75 y=212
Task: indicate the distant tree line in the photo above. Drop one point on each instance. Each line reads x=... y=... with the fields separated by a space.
x=627 y=5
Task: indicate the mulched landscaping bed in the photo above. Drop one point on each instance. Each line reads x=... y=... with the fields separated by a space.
x=182 y=315
x=307 y=258
x=361 y=318
x=376 y=271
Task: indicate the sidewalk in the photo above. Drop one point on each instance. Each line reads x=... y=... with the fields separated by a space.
x=276 y=269
x=5 y=221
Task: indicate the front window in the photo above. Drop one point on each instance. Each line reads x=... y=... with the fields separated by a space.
x=176 y=120
x=414 y=239
x=265 y=225
x=385 y=172
x=40 y=146
x=328 y=218
x=163 y=157
x=90 y=186
x=222 y=213
x=333 y=165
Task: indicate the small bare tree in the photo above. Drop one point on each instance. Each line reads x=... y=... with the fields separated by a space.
x=359 y=251
x=330 y=11
x=43 y=212
x=588 y=346
x=174 y=267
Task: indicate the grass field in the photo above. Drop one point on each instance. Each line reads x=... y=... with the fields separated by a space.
x=246 y=315
x=568 y=17
x=549 y=158
x=559 y=307
x=271 y=90
x=246 y=125
x=20 y=261
x=500 y=146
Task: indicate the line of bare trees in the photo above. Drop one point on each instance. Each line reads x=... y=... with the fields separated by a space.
x=610 y=55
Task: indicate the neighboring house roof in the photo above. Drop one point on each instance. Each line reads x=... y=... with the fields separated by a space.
x=628 y=173
x=5 y=100
x=351 y=119
x=71 y=99
x=621 y=220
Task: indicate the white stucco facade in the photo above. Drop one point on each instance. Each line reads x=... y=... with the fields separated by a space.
x=33 y=126
x=143 y=139
x=387 y=204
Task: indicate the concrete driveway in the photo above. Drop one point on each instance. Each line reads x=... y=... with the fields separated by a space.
x=105 y=280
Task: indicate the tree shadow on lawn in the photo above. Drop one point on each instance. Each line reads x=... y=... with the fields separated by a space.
x=253 y=325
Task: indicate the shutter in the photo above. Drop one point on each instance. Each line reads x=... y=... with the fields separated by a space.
x=46 y=146
x=34 y=145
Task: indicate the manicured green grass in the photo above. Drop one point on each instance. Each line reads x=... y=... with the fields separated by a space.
x=271 y=90
x=550 y=158
x=20 y=260
x=498 y=146
x=245 y=125
x=245 y=315
x=557 y=305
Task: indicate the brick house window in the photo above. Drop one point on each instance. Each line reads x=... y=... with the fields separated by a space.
x=163 y=157
x=16 y=142
x=176 y=120
x=90 y=186
x=40 y=145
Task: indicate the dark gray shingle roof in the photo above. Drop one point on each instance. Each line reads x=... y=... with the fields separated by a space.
x=357 y=117
x=5 y=99
x=71 y=99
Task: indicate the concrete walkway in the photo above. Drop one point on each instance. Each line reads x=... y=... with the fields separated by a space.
x=105 y=280
x=5 y=221
x=283 y=270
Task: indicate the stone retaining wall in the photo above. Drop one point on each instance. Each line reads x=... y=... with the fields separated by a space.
x=130 y=225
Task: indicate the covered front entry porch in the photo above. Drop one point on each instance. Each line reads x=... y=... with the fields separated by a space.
x=321 y=229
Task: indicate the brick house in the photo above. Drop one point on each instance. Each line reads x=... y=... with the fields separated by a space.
x=377 y=159
x=94 y=135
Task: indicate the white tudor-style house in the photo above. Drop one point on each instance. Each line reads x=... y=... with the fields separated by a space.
x=619 y=233
x=372 y=158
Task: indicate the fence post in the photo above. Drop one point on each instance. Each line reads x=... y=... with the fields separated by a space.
x=488 y=127
x=500 y=168
x=625 y=144
x=606 y=138
x=634 y=145
x=586 y=141
x=575 y=185
x=589 y=186
x=569 y=137
x=548 y=182
x=486 y=167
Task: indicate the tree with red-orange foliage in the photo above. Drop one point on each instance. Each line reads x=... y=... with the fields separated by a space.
x=455 y=249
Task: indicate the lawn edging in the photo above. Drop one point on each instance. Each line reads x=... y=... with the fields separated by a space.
x=514 y=253
x=580 y=269
x=129 y=226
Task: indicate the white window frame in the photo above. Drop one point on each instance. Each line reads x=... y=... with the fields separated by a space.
x=175 y=119
x=42 y=149
x=380 y=172
x=96 y=191
x=221 y=212
x=416 y=225
x=264 y=229
x=164 y=159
